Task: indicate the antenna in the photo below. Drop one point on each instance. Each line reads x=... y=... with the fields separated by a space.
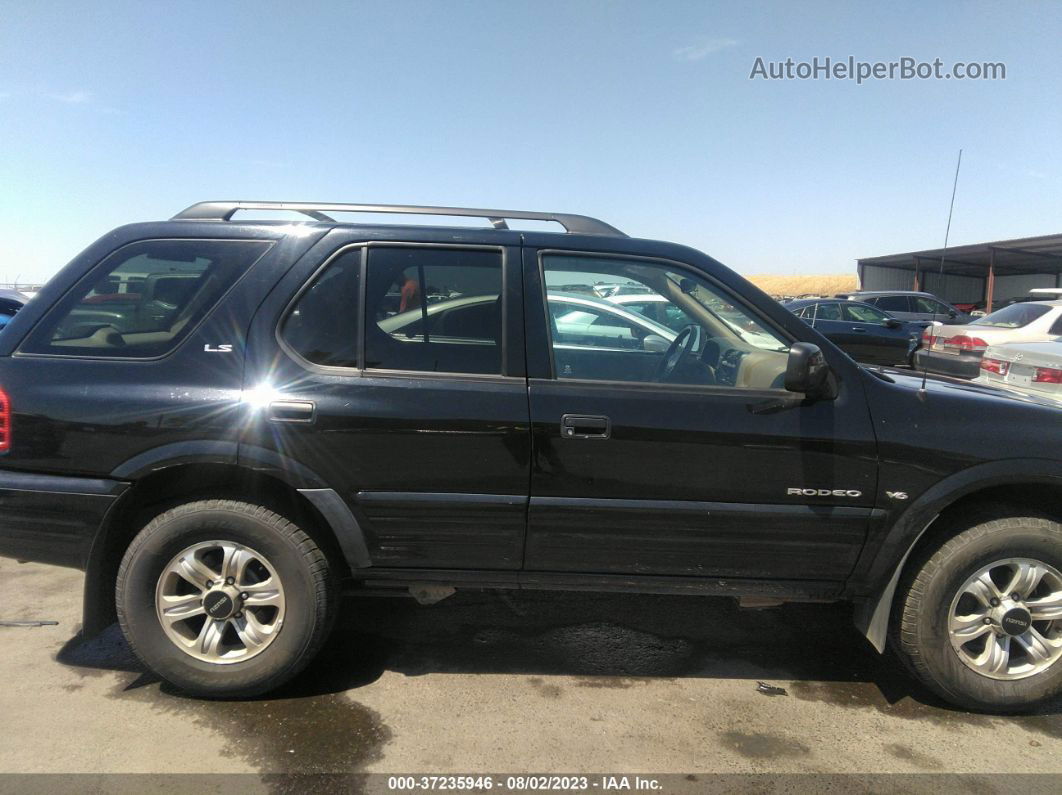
x=943 y=251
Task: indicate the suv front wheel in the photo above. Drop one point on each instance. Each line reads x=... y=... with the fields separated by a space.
x=979 y=620
x=224 y=598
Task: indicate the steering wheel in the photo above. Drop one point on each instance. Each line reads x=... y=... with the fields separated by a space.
x=687 y=341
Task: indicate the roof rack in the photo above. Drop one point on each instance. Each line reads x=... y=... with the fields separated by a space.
x=224 y=210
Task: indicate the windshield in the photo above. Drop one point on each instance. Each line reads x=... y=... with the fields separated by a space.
x=1014 y=316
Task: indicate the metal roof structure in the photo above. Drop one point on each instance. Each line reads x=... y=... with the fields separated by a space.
x=1021 y=257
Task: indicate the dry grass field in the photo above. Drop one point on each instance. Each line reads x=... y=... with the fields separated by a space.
x=825 y=284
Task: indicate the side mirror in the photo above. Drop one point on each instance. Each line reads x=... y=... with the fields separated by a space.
x=892 y=322
x=952 y=314
x=654 y=343
x=807 y=372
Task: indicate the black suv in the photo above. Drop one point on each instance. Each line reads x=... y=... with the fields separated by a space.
x=227 y=423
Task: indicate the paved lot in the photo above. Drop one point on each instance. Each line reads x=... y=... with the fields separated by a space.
x=505 y=683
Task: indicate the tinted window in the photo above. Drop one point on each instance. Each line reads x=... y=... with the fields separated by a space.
x=1057 y=327
x=322 y=326
x=864 y=314
x=824 y=312
x=434 y=310
x=931 y=306
x=143 y=299
x=891 y=303
x=1014 y=316
x=595 y=336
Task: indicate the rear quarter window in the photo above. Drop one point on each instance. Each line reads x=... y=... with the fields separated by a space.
x=143 y=299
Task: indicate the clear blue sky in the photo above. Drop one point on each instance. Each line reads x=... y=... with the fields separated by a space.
x=640 y=113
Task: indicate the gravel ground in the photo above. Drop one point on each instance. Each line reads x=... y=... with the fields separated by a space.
x=505 y=682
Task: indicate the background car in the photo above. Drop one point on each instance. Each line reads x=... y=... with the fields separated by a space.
x=862 y=331
x=910 y=305
x=655 y=307
x=660 y=310
x=576 y=320
x=957 y=350
x=10 y=302
x=1033 y=368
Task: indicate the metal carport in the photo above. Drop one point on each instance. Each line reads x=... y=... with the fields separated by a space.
x=968 y=274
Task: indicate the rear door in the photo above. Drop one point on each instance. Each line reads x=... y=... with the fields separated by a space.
x=899 y=306
x=394 y=371
x=695 y=465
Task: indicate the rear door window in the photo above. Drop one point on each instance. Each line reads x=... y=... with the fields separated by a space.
x=433 y=310
x=859 y=313
x=322 y=326
x=925 y=305
x=892 y=303
x=144 y=298
x=825 y=312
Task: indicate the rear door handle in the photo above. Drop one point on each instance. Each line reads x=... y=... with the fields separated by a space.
x=292 y=411
x=582 y=426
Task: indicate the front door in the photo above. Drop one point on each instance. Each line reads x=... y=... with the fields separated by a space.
x=399 y=382
x=879 y=338
x=691 y=460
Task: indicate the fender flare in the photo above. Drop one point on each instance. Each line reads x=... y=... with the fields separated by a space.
x=199 y=451
x=872 y=613
x=339 y=519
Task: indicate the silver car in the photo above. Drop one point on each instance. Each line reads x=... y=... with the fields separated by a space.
x=577 y=320
x=957 y=350
x=910 y=306
x=1031 y=368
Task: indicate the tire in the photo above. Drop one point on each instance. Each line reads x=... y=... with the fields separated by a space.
x=284 y=614
x=931 y=593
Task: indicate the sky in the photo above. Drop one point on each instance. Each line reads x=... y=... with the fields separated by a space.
x=639 y=113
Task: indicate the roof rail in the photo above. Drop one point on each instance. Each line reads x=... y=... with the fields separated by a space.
x=224 y=210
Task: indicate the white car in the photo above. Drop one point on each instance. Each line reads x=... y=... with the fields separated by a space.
x=956 y=350
x=1032 y=368
x=662 y=311
x=577 y=320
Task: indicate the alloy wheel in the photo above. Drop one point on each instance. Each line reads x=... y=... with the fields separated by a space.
x=220 y=602
x=1005 y=622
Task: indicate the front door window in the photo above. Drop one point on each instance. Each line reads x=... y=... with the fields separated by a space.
x=643 y=321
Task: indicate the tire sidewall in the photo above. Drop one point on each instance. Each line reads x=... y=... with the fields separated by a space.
x=955 y=677
x=168 y=539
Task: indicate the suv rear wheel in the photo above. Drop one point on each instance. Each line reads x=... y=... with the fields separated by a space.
x=979 y=620
x=224 y=598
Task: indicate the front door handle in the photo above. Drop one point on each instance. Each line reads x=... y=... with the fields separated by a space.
x=582 y=426
x=292 y=411
x=859 y=329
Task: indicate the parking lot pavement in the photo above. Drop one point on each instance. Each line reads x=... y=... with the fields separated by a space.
x=503 y=683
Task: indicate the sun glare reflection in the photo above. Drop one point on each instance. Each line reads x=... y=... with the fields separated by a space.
x=260 y=395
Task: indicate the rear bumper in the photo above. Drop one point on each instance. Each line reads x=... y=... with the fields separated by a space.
x=963 y=365
x=50 y=519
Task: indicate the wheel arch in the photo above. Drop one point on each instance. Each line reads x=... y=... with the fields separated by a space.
x=318 y=510
x=1034 y=484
